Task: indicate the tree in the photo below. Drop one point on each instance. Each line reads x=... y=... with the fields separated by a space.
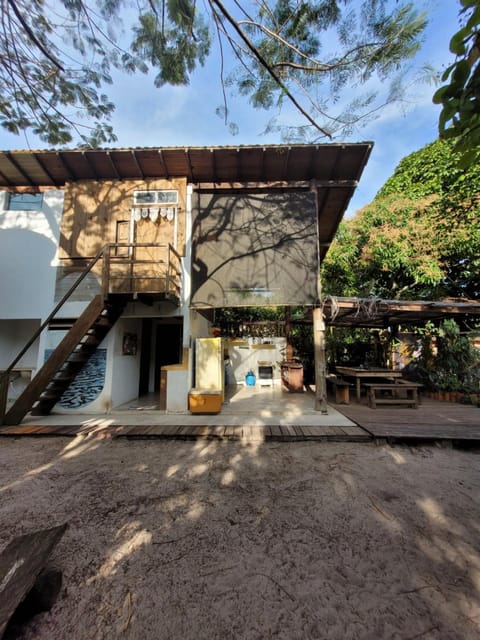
x=57 y=59
x=419 y=238
x=460 y=97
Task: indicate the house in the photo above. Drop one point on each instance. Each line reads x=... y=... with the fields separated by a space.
x=121 y=256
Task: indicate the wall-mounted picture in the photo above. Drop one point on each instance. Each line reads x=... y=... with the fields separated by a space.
x=129 y=344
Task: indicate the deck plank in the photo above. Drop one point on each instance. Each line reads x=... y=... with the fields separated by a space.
x=433 y=420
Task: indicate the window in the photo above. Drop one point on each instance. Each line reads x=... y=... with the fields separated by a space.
x=25 y=202
x=165 y=196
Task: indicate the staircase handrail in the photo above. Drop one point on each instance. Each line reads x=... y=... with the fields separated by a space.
x=104 y=250
x=88 y=268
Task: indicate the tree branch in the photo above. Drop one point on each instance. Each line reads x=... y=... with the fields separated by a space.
x=32 y=36
x=288 y=45
x=267 y=67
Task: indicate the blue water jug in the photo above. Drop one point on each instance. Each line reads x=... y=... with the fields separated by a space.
x=250 y=379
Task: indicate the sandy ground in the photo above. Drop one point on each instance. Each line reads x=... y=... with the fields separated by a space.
x=195 y=540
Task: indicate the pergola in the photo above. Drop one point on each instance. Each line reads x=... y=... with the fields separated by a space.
x=376 y=313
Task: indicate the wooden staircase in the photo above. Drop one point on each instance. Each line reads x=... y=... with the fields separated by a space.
x=68 y=359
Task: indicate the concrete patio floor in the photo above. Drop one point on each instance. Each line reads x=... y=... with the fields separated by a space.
x=243 y=405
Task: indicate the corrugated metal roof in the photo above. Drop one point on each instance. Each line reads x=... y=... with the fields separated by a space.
x=335 y=168
x=328 y=162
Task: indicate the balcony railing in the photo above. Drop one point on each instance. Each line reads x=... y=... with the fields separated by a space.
x=123 y=268
x=120 y=268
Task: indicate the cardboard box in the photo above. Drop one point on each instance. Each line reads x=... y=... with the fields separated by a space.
x=205 y=400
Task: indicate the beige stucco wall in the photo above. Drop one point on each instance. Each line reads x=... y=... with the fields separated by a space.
x=93 y=208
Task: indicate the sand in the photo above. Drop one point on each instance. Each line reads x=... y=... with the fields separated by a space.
x=195 y=540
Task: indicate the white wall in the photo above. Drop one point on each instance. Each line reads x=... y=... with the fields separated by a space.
x=13 y=337
x=199 y=326
x=123 y=371
x=28 y=248
x=246 y=356
x=14 y=334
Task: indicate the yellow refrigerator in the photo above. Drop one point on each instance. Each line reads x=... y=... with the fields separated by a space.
x=209 y=364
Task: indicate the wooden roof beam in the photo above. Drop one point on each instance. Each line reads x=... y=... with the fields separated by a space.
x=87 y=160
x=65 y=165
x=20 y=170
x=286 y=163
x=189 y=163
x=137 y=164
x=4 y=179
x=163 y=163
x=45 y=170
x=112 y=164
x=265 y=186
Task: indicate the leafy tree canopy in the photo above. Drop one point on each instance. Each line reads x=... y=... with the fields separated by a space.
x=58 y=57
x=460 y=96
x=419 y=238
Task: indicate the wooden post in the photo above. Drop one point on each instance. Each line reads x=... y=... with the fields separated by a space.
x=319 y=327
x=4 y=382
x=106 y=272
x=320 y=365
x=288 y=330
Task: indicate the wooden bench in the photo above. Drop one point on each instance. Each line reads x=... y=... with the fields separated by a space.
x=341 y=388
x=401 y=392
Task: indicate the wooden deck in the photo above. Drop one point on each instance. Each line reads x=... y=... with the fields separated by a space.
x=246 y=432
x=290 y=417
x=431 y=421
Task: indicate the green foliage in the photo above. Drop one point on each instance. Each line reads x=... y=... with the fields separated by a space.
x=175 y=51
x=447 y=360
x=57 y=59
x=460 y=115
x=356 y=347
x=366 y=41
x=419 y=238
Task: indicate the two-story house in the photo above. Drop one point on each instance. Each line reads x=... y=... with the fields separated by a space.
x=120 y=256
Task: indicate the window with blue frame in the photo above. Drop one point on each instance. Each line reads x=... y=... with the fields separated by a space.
x=25 y=202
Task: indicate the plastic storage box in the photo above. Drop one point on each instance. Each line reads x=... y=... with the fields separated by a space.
x=205 y=400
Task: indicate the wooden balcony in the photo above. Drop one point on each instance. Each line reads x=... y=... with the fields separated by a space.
x=143 y=269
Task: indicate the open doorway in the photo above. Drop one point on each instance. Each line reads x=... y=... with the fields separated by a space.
x=168 y=347
x=161 y=345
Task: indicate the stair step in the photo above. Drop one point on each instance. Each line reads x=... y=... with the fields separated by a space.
x=78 y=357
x=60 y=384
x=62 y=378
x=103 y=321
x=42 y=408
x=67 y=360
x=51 y=394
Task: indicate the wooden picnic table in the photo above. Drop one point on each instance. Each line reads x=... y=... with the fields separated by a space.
x=397 y=392
x=359 y=374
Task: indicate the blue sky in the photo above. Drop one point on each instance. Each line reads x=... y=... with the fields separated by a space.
x=185 y=116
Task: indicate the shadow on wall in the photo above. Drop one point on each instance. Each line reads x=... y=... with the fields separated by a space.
x=254 y=250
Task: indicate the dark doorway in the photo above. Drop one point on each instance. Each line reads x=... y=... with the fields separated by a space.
x=146 y=348
x=168 y=347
